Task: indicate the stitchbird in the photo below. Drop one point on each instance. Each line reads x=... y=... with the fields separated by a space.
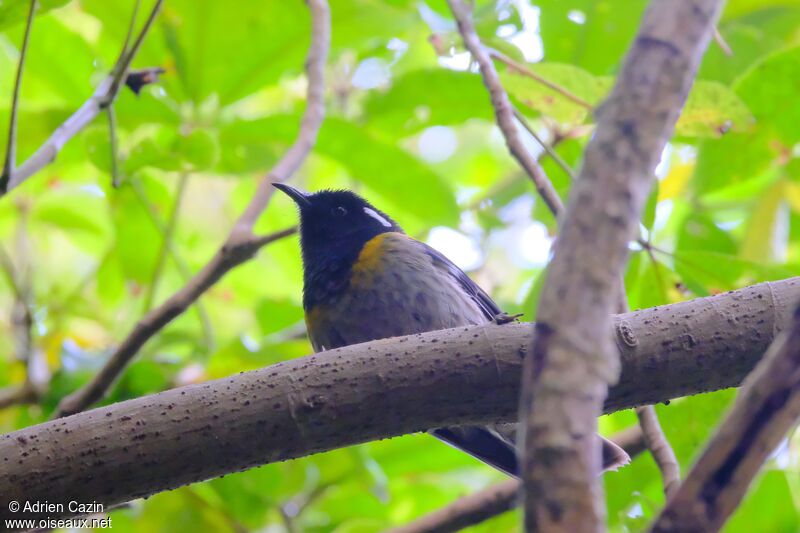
x=365 y=279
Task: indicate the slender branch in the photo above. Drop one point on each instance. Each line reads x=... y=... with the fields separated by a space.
x=180 y=264
x=722 y=43
x=7 y=266
x=370 y=391
x=502 y=107
x=129 y=33
x=767 y=407
x=103 y=96
x=120 y=71
x=241 y=244
x=114 y=142
x=11 y=147
x=548 y=148
x=660 y=449
x=467 y=511
x=573 y=360
x=18 y=395
x=166 y=244
x=496 y=499
x=524 y=70
x=156 y=319
x=36 y=373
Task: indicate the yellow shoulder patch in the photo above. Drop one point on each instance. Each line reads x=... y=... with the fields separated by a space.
x=371 y=256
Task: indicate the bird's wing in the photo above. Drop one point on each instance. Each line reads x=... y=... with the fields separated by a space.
x=488 y=306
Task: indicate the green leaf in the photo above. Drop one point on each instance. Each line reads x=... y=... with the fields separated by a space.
x=770 y=503
x=769 y=87
x=706 y=273
x=399 y=177
x=654 y=285
x=72 y=211
x=97 y=143
x=160 y=149
x=734 y=158
x=199 y=149
x=59 y=69
x=275 y=315
x=649 y=214
x=530 y=305
x=758 y=244
x=599 y=42
x=138 y=240
x=547 y=101
x=751 y=36
x=425 y=98
x=16 y=11
x=110 y=284
x=699 y=231
x=711 y=110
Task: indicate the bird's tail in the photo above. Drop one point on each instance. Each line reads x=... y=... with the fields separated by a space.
x=483 y=444
x=495 y=447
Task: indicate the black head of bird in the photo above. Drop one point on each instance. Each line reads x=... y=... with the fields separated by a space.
x=334 y=226
x=336 y=220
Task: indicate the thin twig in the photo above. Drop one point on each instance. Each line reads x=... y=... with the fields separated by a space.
x=166 y=244
x=120 y=70
x=522 y=69
x=11 y=148
x=129 y=33
x=660 y=449
x=103 y=96
x=548 y=148
x=502 y=107
x=19 y=395
x=241 y=244
x=722 y=43
x=36 y=374
x=183 y=269
x=114 y=142
x=7 y=266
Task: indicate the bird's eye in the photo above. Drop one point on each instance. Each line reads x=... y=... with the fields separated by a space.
x=339 y=211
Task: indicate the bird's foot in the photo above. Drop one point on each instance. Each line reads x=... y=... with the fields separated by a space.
x=505 y=318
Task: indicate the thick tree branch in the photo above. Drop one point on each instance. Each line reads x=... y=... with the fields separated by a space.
x=369 y=391
x=573 y=361
x=503 y=109
x=103 y=96
x=241 y=244
x=496 y=499
x=767 y=407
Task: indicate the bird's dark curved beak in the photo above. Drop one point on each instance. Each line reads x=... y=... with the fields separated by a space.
x=299 y=197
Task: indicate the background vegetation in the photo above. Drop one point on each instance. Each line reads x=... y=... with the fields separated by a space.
x=409 y=126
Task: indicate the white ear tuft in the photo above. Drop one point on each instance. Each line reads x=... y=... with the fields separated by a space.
x=374 y=214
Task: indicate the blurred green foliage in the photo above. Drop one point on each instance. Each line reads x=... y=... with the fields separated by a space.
x=410 y=126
